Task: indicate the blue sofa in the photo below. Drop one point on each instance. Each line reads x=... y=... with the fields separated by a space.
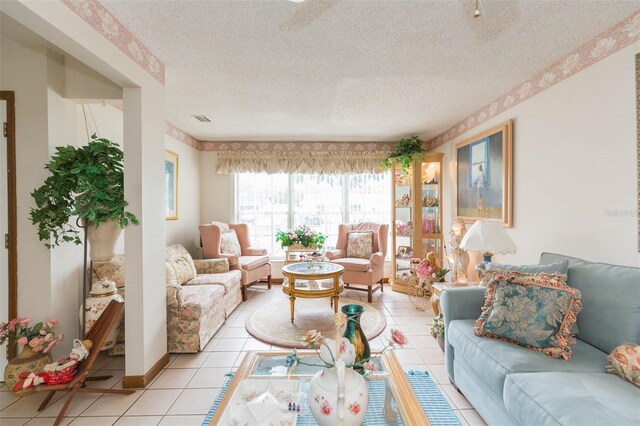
x=511 y=385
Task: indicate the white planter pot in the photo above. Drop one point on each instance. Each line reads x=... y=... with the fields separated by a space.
x=338 y=396
x=103 y=239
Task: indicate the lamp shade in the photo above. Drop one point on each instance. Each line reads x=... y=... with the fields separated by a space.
x=488 y=237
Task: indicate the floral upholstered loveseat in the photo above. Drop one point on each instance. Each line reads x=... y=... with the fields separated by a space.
x=201 y=294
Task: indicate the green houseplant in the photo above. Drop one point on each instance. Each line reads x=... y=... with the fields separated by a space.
x=406 y=150
x=86 y=182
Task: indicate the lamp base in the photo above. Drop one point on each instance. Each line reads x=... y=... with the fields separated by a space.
x=481 y=268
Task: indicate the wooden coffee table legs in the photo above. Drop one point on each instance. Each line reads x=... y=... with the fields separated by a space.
x=292 y=304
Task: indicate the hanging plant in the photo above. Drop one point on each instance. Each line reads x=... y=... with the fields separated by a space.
x=406 y=151
x=86 y=182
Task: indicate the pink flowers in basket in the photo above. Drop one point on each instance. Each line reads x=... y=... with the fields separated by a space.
x=40 y=337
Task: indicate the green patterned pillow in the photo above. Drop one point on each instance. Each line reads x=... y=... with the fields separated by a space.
x=536 y=311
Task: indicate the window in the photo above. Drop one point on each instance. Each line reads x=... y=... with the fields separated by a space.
x=283 y=201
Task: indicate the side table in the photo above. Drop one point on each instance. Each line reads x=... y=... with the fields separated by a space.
x=437 y=289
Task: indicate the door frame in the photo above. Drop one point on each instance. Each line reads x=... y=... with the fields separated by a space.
x=12 y=207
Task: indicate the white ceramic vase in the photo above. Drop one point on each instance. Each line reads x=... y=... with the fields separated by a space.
x=103 y=239
x=101 y=294
x=338 y=396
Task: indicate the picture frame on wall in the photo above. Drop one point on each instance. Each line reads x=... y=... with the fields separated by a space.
x=171 y=184
x=484 y=176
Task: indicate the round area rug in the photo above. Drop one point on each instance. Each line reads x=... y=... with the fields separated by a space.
x=272 y=322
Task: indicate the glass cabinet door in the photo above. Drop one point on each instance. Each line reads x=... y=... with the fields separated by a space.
x=431 y=216
x=403 y=231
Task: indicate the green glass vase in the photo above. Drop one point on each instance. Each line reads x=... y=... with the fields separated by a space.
x=354 y=332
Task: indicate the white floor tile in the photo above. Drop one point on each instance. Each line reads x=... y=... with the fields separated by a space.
x=112 y=405
x=473 y=418
x=189 y=360
x=209 y=378
x=27 y=406
x=139 y=421
x=438 y=372
x=81 y=402
x=408 y=356
x=19 y=421
x=116 y=364
x=43 y=421
x=220 y=359
x=116 y=376
x=432 y=356
x=94 y=421
x=255 y=345
x=458 y=399
x=182 y=421
x=173 y=378
x=230 y=344
x=424 y=342
x=236 y=333
x=463 y=421
x=6 y=399
x=194 y=401
x=155 y=402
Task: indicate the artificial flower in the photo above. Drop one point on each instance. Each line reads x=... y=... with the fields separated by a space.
x=369 y=367
x=398 y=337
x=312 y=337
x=339 y=319
x=23 y=341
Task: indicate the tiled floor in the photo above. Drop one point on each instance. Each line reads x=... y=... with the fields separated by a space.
x=183 y=393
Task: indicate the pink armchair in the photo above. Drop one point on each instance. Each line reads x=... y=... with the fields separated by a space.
x=253 y=262
x=360 y=271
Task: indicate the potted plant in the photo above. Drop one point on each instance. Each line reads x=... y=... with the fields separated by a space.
x=302 y=236
x=86 y=182
x=437 y=330
x=406 y=150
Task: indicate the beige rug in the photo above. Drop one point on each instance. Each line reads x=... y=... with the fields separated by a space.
x=272 y=322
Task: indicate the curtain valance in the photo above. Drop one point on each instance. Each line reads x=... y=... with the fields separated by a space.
x=323 y=162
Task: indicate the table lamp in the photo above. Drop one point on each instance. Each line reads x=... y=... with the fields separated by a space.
x=488 y=238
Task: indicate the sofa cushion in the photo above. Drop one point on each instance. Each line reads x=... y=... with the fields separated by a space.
x=230 y=281
x=610 y=297
x=535 y=311
x=625 y=362
x=360 y=244
x=572 y=399
x=198 y=299
x=179 y=259
x=493 y=359
x=353 y=264
x=559 y=267
x=111 y=269
x=229 y=243
x=252 y=262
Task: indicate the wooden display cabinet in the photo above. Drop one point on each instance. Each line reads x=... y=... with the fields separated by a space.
x=417 y=216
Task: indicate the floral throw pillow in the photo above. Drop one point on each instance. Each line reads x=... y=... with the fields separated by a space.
x=625 y=362
x=229 y=243
x=536 y=311
x=360 y=244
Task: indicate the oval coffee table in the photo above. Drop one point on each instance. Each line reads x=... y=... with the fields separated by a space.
x=302 y=281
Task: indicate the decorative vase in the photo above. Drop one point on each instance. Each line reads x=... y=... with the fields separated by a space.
x=338 y=396
x=440 y=339
x=353 y=332
x=29 y=361
x=101 y=294
x=103 y=239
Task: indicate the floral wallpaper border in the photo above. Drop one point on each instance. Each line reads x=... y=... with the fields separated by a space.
x=180 y=135
x=98 y=17
x=615 y=38
x=298 y=146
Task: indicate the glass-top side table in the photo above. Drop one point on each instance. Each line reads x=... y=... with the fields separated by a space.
x=312 y=280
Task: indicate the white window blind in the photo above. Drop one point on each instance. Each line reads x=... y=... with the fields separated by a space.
x=283 y=201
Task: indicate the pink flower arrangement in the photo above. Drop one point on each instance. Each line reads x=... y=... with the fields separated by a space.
x=40 y=337
x=369 y=367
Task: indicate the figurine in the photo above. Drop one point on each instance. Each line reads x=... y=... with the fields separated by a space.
x=460 y=256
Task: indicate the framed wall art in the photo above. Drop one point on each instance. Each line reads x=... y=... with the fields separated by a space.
x=484 y=168
x=171 y=184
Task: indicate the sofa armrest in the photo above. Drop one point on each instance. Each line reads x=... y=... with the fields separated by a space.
x=252 y=251
x=334 y=254
x=234 y=262
x=377 y=258
x=211 y=266
x=456 y=304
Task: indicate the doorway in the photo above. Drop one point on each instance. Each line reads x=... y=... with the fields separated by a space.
x=8 y=217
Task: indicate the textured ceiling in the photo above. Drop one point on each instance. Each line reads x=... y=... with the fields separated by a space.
x=350 y=70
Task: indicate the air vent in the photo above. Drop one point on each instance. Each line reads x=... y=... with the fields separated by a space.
x=202 y=118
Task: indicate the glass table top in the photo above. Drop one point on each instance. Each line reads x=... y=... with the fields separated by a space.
x=312 y=268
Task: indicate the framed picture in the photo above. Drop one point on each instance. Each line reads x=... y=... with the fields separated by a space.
x=171 y=184
x=484 y=176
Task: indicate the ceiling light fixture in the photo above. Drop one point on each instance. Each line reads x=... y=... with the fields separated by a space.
x=476 y=14
x=202 y=118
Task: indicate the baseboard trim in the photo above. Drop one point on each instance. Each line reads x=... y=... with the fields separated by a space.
x=142 y=381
